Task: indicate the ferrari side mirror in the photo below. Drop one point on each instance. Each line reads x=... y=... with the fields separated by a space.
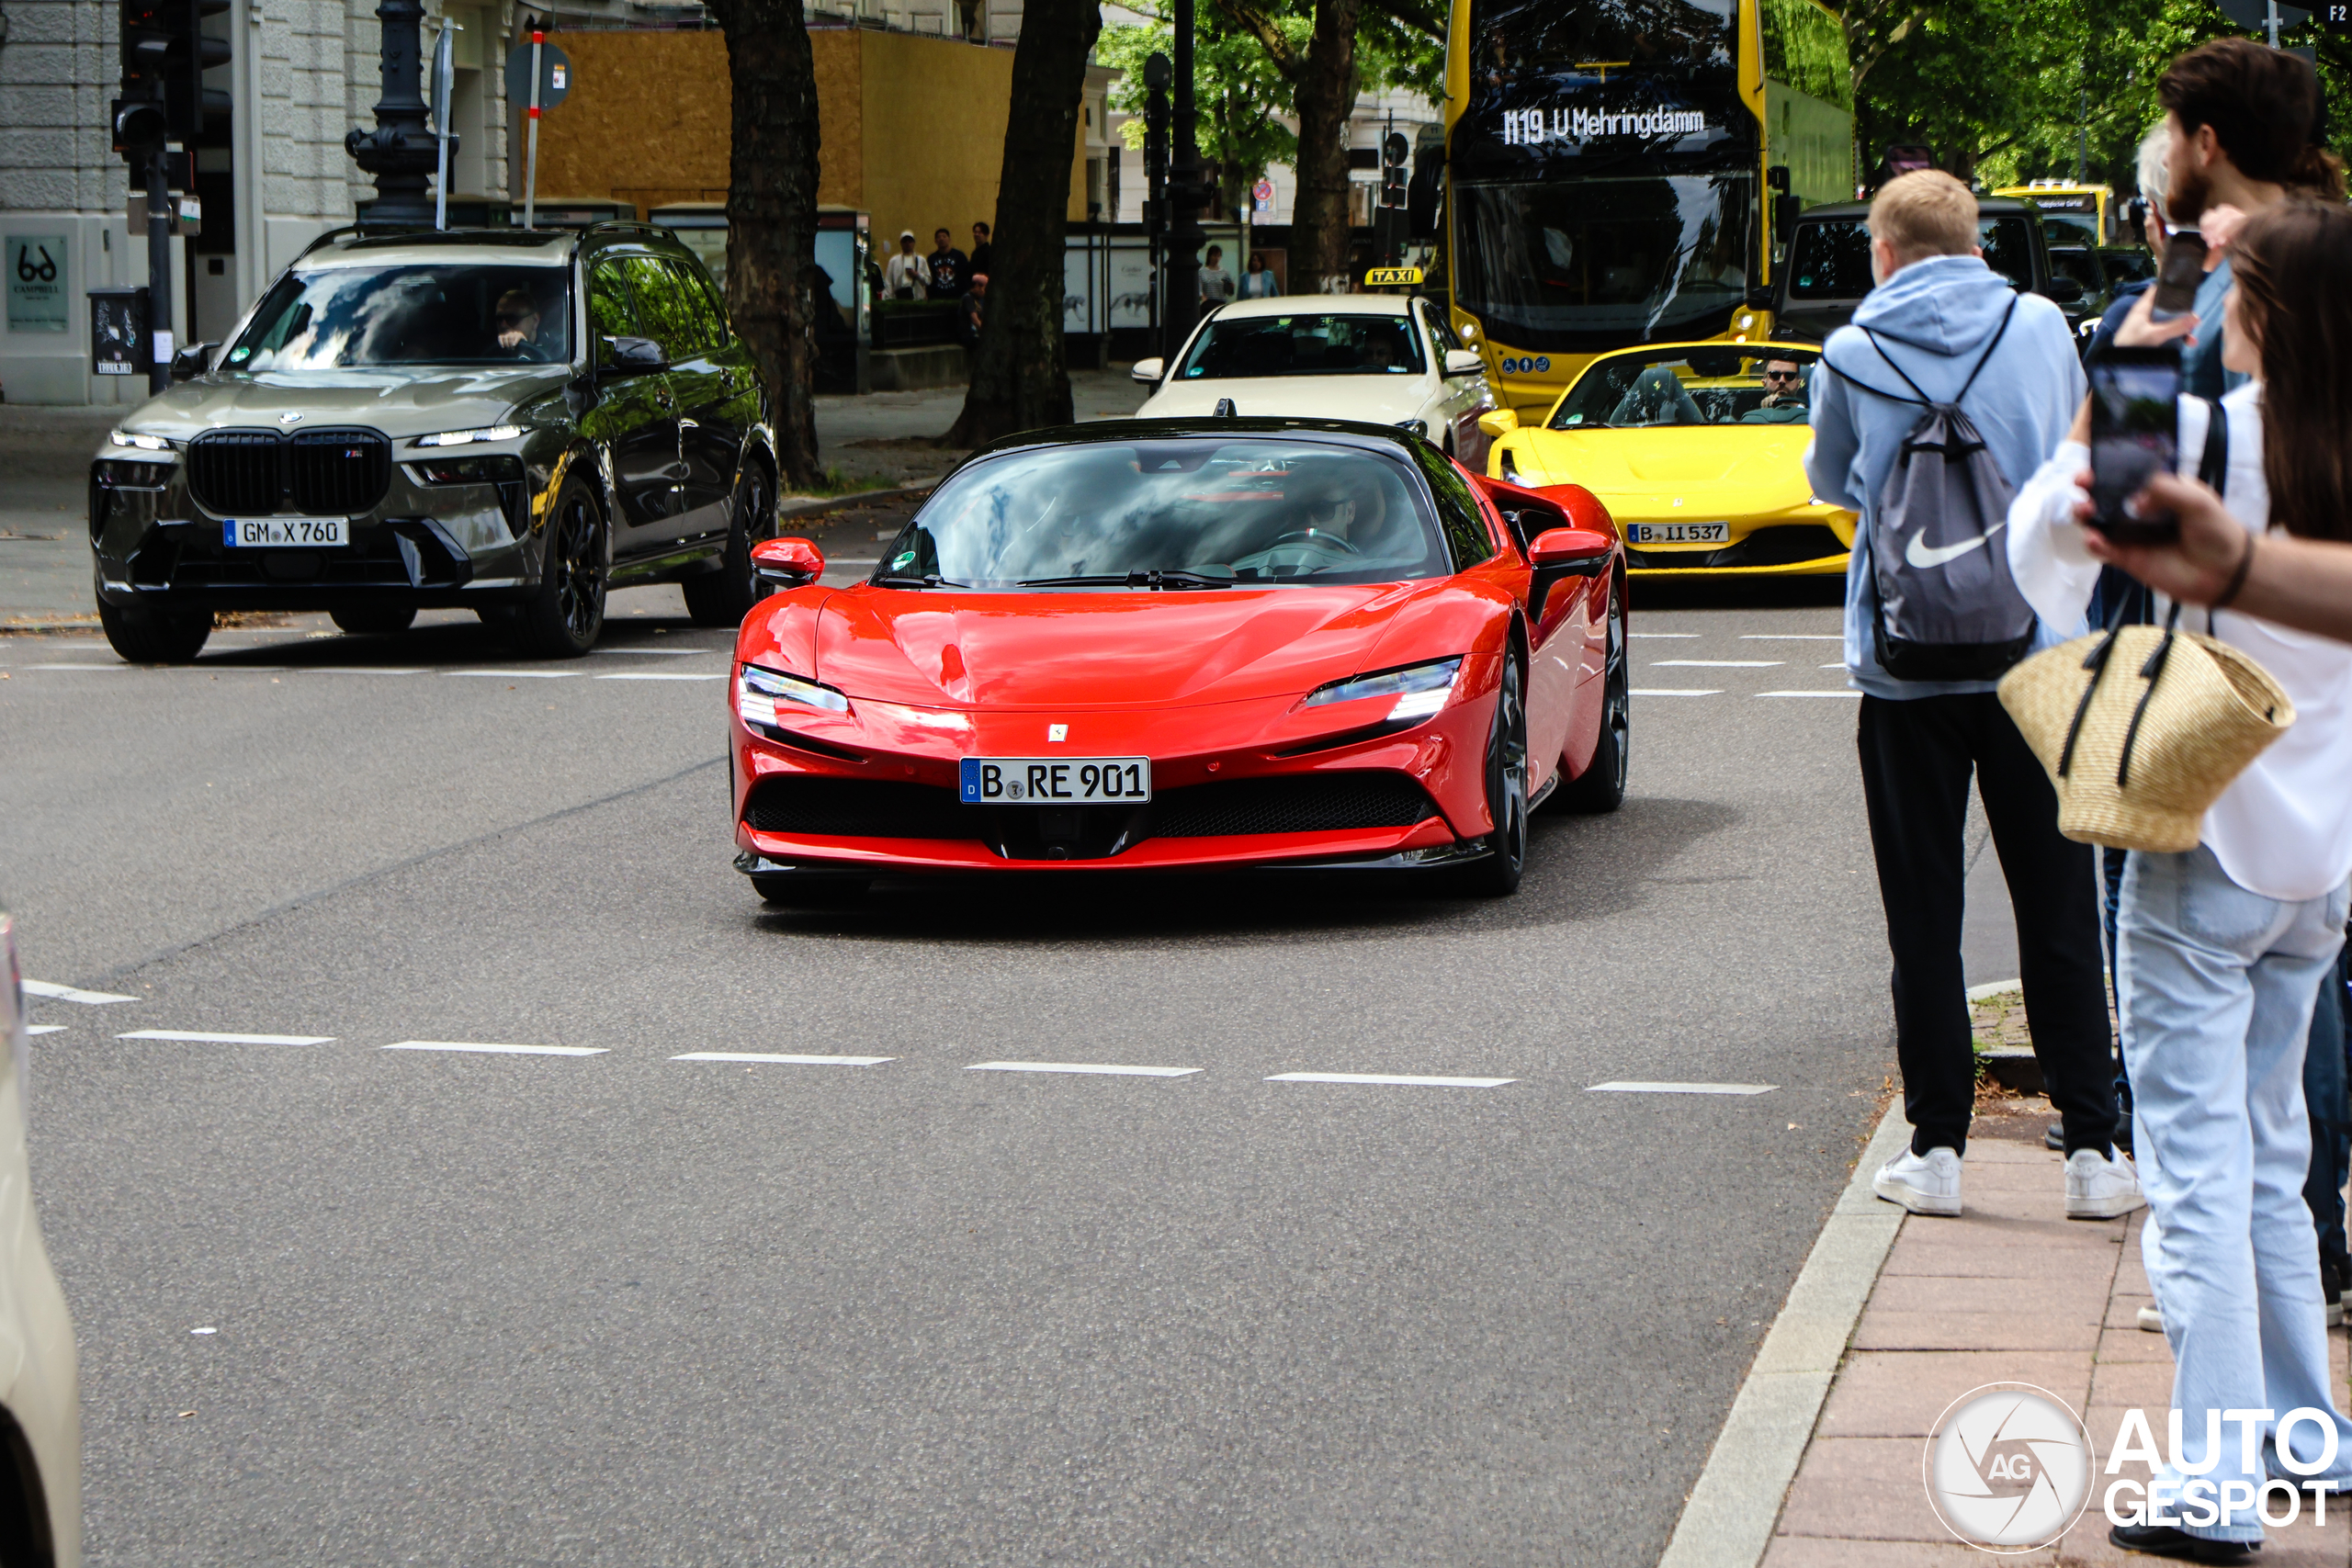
x=1582 y=552
x=779 y=564
x=1498 y=422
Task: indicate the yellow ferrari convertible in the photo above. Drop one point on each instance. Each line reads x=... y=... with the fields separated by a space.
x=1698 y=451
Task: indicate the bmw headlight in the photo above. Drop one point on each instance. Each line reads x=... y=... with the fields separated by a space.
x=467 y=437
x=759 y=689
x=139 y=443
x=1419 y=689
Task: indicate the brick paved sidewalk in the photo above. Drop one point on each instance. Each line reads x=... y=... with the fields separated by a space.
x=2012 y=1292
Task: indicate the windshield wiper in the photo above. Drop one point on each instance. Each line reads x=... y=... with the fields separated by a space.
x=1157 y=577
x=907 y=580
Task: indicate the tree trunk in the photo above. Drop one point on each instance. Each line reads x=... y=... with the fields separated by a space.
x=772 y=214
x=1325 y=92
x=1020 y=376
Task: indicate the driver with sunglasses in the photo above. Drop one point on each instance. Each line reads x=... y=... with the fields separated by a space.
x=518 y=326
x=1783 y=396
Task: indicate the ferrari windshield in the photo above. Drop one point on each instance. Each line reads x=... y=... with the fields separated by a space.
x=1242 y=511
x=343 y=316
x=1313 y=342
x=1690 y=385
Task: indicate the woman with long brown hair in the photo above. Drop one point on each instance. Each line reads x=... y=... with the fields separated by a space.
x=2221 y=950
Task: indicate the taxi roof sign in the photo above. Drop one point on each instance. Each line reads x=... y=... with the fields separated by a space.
x=1392 y=278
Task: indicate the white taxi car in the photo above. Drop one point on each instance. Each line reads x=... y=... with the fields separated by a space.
x=1378 y=358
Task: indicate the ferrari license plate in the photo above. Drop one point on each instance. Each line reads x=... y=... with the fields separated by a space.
x=1077 y=781
x=283 y=532
x=1680 y=533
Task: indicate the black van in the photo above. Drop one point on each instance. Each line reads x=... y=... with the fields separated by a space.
x=1828 y=267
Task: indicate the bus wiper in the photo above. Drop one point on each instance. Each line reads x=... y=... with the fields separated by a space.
x=907 y=579
x=1156 y=578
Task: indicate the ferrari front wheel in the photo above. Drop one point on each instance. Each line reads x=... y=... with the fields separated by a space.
x=1498 y=873
x=1602 y=786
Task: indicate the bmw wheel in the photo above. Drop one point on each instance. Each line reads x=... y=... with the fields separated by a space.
x=562 y=619
x=724 y=597
x=1498 y=873
x=154 y=636
x=1602 y=786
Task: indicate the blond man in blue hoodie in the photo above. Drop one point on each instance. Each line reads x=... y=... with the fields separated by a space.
x=1940 y=320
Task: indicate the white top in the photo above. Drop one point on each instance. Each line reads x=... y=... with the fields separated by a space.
x=2283 y=829
x=906 y=272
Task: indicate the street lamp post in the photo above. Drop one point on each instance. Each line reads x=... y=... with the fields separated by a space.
x=1185 y=235
x=401 y=152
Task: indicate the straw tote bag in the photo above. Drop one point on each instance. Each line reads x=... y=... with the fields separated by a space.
x=2143 y=727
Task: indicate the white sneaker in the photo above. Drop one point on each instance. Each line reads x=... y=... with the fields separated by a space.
x=1929 y=1186
x=2099 y=1186
x=2152 y=1320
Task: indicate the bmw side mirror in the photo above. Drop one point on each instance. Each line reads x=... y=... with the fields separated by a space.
x=1461 y=362
x=192 y=361
x=1148 y=371
x=779 y=564
x=633 y=356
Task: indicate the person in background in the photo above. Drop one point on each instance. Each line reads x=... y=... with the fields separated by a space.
x=983 y=257
x=2222 y=948
x=950 y=268
x=1258 y=282
x=1216 y=284
x=907 y=276
x=1938 y=313
x=975 y=309
x=2241 y=117
x=2154 y=148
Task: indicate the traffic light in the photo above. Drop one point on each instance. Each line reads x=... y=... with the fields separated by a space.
x=1394 y=151
x=165 y=56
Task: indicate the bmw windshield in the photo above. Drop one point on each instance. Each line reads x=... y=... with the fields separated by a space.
x=342 y=317
x=1246 y=512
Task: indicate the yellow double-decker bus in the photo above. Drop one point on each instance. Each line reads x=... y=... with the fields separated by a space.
x=1620 y=172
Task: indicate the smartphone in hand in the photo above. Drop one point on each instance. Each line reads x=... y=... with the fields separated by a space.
x=2135 y=432
x=2184 y=271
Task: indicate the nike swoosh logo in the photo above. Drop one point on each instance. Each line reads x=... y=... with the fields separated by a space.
x=1923 y=556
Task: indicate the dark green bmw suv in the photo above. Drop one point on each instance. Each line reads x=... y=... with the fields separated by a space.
x=511 y=421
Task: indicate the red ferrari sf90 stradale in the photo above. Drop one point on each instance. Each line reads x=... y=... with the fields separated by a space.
x=1186 y=644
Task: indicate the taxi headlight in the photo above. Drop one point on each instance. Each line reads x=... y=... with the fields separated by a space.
x=1419 y=689
x=467 y=437
x=758 y=689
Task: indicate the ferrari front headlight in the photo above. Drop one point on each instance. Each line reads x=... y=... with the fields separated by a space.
x=1419 y=689
x=758 y=689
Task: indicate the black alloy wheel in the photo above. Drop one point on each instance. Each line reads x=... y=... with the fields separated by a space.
x=1498 y=873
x=374 y=620
x=1602 y=786
x=154 y=636
x=562 y=619
x=724 y=597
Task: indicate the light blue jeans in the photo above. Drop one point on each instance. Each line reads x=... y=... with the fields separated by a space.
x=2217 y=986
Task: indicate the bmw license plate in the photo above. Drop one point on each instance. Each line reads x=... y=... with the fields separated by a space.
x=1680 y=533
x=297 y=533
x=1077 y=781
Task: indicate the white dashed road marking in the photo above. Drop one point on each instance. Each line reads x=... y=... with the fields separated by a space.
x=1682 y=1089
x=788 y=1061
x=1079 y=1067
x=353 y=670
x=202 y=1038
x=44 y=1028
x=667 y=675
x=1666 y=637
x=1677 y=691
x=497 y=1050
x=1808 y=694
x=1793 y=637
x=1389 y=1077
x=1715 y=663
x=70 y=994
x=516 y=675
x=655 y=652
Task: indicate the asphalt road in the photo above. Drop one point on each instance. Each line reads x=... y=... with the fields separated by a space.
x=625 y=1309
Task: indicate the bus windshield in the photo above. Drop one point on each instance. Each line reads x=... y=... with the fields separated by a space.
x=1600 y=263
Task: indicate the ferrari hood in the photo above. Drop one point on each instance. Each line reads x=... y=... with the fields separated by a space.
x=1089 y=649
x=1736 y=469
x=1374 y=400
x=398 y=402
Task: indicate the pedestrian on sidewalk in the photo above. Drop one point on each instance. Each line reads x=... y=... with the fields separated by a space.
x=976 y=305
x=907 y=276
x=1216 y=284
x=1941 y=319
x=2241 y=117
x=983 y=254
x=951 y=269
x=1257 y=283
x=2221 y=949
